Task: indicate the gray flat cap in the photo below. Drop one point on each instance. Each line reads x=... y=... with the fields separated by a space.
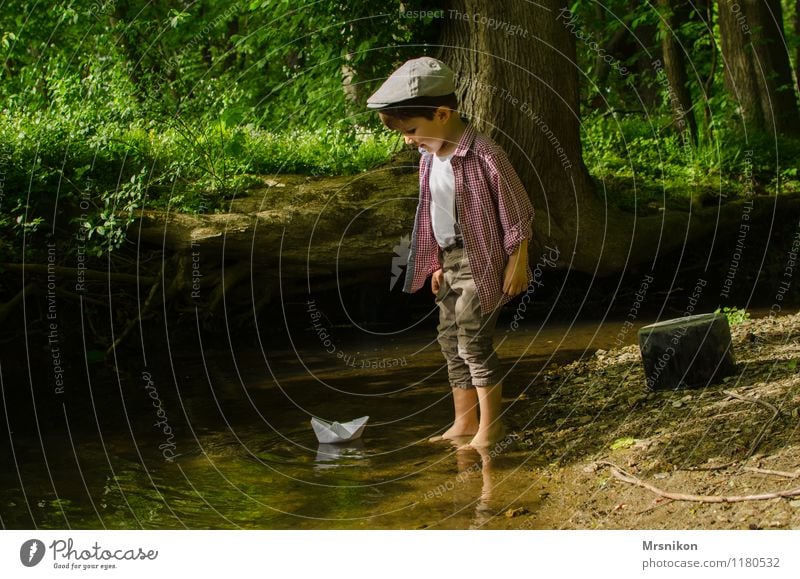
x=424 y=76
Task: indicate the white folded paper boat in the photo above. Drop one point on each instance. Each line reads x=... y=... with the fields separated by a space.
x=333 y=432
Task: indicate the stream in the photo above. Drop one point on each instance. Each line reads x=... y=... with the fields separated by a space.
x=228 y=443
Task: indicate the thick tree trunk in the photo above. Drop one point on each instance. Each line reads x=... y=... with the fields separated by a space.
x=521 y=87
x=673 y=15
x=757 y=69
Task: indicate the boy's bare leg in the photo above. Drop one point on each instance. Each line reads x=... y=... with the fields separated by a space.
x=465 y=423
x=490 y=428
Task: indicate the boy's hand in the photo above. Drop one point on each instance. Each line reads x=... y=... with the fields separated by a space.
x=436 y=281
x=515 y=278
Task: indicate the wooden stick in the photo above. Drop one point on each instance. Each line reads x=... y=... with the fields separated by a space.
x=620 y=474
x=765 y=404
x=795 y=474
x=710 y=468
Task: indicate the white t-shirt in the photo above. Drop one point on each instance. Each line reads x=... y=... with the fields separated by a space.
x=443 y=193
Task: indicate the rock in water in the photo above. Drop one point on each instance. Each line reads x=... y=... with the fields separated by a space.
x=689 y=352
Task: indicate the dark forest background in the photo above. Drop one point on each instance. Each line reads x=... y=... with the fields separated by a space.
x=676 y=117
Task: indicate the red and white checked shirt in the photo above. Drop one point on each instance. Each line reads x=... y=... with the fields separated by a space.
x=494 y=213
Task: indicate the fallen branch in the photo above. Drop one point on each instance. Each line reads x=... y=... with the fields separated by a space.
x=76 y=297
x=765 y=404
x=710 y=468
x=624 y=476
x=43 y=269
x=795 y=474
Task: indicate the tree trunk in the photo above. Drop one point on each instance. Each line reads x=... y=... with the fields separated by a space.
x=673 y=16
x=602 y=67
x=522 y=90
x=797 y=50
x=706 y=9
x=232 y=57
x=757 y=69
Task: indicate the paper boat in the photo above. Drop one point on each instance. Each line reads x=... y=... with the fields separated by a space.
x=333 y=432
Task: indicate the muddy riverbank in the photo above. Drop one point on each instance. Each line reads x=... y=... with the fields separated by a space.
x=740 y=439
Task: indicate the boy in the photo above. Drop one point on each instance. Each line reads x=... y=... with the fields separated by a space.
x=470 y=235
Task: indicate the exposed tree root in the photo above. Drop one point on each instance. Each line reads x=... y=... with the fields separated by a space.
x=626 y=477
x=768 y=406
x=11 y=304
x=43 y=269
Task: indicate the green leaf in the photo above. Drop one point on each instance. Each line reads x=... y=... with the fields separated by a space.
x=625 y=442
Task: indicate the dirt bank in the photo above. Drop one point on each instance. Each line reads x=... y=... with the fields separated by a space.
x=734 y=439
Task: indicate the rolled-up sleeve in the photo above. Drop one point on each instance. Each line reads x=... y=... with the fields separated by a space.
x=513 y=204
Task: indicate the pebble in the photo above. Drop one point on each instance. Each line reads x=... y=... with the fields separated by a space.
x=511 y=513
x=794 y=504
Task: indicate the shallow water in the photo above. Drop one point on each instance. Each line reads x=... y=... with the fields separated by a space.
x=245 y=455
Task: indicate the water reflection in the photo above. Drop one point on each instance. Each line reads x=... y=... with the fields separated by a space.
x=474 y=463
x=332 y=455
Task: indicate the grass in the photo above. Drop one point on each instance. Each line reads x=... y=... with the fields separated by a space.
x=638 y=162
x=122 y=163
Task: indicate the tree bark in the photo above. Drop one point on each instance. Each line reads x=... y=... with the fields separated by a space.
x=522 y=90
x=706 y=8
x=757 y=69
x=797 y=50
x=601 y=66
x=673 y=15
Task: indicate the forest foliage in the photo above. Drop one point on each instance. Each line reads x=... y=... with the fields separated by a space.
x=107 y=106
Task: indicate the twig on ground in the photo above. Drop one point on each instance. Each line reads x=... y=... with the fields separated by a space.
x=765 y=404
x=795 y=474
x=624 y=476
x=710 y=468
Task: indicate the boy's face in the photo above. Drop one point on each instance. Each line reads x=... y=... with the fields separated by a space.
x=425 y=134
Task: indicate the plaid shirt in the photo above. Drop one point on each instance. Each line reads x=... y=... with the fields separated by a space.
x=494 y=213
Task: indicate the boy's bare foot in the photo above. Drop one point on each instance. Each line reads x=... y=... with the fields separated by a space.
x=465 y=423
x=456 y=431
x=486 y=437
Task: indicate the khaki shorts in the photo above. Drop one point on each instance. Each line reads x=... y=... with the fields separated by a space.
x=465 y=335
